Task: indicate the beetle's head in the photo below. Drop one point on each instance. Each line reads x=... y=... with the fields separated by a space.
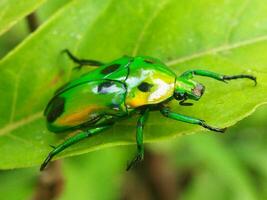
x=187 y=89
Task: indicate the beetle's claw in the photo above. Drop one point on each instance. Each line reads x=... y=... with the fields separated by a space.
x=220 y=130
x=131 y=164
x=47 y=160
x=255 y=80
x=43 y=166
x=78 y=68
x=134 y=162
x=64 y=51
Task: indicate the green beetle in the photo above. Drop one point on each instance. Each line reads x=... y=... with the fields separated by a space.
x=128 y=85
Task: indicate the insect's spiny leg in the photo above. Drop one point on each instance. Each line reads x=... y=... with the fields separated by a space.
x=139 y=139
x=187 y=119
x=226 y=77
x=70 y=141
x=221 y=130
x=82 y=62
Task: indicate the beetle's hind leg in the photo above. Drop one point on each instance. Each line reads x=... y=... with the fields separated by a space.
x=82 y=62
x=70 y=141
x=139 y=139
x=167 y=113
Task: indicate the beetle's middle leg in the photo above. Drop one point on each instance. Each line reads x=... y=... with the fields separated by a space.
x=167 y=113
x=82 y=62
x=139 y=138
x=70 y=141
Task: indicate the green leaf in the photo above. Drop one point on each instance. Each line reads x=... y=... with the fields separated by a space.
x=49 y=8
x=228 y=37
x=12 y=11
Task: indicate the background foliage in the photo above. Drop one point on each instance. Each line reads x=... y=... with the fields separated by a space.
x=224 y=36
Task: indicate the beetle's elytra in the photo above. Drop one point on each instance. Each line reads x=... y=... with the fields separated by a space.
x=128 y=85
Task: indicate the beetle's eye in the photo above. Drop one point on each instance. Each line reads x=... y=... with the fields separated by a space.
x=179 y=96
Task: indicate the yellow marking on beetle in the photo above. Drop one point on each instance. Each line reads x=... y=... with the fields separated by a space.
x=77 y=117
x=138 y=99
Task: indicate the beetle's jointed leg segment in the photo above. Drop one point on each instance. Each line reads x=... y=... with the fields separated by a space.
x=225 y=77
x=82 y=62
x=71 y=141
x=167 y=113
x=198 y=72
x=139 y=138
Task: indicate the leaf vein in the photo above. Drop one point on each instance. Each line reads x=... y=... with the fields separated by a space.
x=14 y=137
x=215 y=50
x=13 y=126
x=235 y=19
x=14 y=100
x=146 y=26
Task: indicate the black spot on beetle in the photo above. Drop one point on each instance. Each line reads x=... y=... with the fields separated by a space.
x=111 y=68
x=56 y=109
x=145 y=87
x=103 y=88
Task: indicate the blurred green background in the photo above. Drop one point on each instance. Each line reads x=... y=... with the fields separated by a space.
x=202 y=166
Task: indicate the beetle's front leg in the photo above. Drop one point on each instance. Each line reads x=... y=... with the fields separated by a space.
x=82 y=62
x=139 y=139
x=167 y=113
x=191 y=73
